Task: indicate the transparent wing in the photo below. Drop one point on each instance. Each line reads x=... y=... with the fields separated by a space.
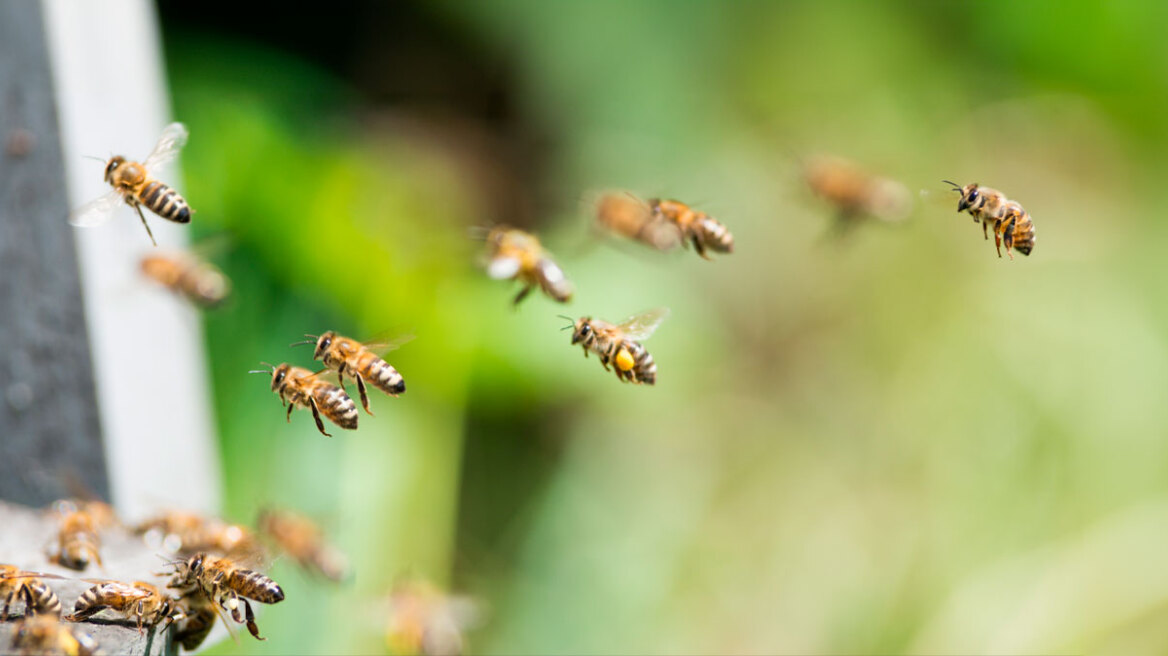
x=96 y=211
x=174 y=137
x=502 y=268
x=642 y=326
x=380 y=345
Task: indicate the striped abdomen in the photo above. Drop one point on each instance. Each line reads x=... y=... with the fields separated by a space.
x=256 y=586
x=165 y=202
x=335 y=405
x=712 y=234
x=40 y=599
x=102 y=596
x=642 y=369
x=380 y=374
x=1020 y=232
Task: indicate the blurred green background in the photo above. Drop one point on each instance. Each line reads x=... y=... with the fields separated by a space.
x=898 y=443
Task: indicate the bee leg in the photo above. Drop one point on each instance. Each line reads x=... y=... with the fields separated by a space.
x=142 y=216
x=316 y=416
x=288 y=416
x=998 y=237
x=251 y=624
x=984 y=233
x=140 y=613
x=698 y=247
x=521 y=295
x=364 y=395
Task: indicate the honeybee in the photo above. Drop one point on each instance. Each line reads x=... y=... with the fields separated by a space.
x=198 y=281
x=132 y=183
x=423 y=620
x=698 y=228
x=189 y=533
x=856 y=193
x=517 y=255
x=1012 y=224
x=620 y=345
x=627 y=215
x=228 y=586
x=77 y=540
x=301 y=387
x=358 y=361
x=18 y=585
x=194 y=617
x=141 y=600
x=45 y=634
x=303 y=540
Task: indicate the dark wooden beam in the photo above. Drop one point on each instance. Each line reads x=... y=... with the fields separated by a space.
x=50 y=438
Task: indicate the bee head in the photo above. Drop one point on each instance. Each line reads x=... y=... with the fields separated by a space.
x=323 y=344
x=278 y=375
x=583 y=332
x=113 y=163
x=971 y=198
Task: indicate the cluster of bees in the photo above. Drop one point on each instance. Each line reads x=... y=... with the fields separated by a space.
x=209 y=577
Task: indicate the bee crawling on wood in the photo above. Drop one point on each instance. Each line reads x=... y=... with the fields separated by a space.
x=78 y=542
x=227 y=585
x=142 y=601
x=29 y=587
x=620 y=344
x=47 y=634
x=301 y=387
x=1012 y=225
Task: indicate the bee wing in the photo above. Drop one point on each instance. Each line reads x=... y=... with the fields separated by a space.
x=34 y=575
x=386 y=345
x=503 y=268
x=642 y=326
x=174 y=137
x=96 y=211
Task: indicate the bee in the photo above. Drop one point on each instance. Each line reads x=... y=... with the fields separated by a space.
x=303 y=540
x=194 y=617
x=1012 y=224
x=855 y=193
x=517 y=255
x=189 y=533
x=424 y=620
x=629 y=216
x=358 y=361
x=143 y=601
x=698 y=228
x=227 y=585
x=18 y=585
x=301 y=387
x=77 y=540
x=198 y=281
x=620 y=345
x=45 y=634
x=132 y=184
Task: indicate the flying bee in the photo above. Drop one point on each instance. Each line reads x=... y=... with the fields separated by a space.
x=1012 y=224
x=198 y=281
x=303 y=540
x=517 y=255
x=189 y=533
x=77 y=540
x=620 y=345
x=358 y=361
x=301 y=387
x=629 y=216
x=228 y=586
x=143 y=601
x=698 y=228
x=18 y=585
x=194 y=617
x=424 y=620
x=132 y=184
x=856 y=193
x=45 y=634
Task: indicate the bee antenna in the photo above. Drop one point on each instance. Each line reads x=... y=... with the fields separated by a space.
x=270 y=369
x=311 y=340
x=92 y=157
x=956 y=187
x=572 y=322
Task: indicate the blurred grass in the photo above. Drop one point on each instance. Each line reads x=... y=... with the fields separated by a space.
x=898 y=443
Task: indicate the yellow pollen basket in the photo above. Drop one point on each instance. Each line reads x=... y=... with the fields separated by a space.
x=624 y=360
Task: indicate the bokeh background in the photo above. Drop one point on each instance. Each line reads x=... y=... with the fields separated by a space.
x=892 y=443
